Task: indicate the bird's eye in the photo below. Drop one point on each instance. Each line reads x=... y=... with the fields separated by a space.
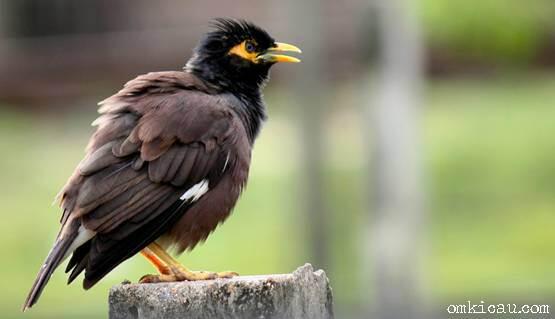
x=249 y=47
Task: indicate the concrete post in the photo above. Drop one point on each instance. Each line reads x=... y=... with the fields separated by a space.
x=303 y=294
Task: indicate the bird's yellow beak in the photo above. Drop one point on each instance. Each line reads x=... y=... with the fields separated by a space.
x=272 y=54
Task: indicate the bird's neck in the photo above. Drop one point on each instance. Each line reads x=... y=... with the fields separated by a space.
x=252 y=112
x=250 y=105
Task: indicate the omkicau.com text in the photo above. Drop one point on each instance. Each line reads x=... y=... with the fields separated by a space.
x=483 y=307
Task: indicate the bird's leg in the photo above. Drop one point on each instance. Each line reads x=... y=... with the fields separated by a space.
x=158 y=263
x=171 y=270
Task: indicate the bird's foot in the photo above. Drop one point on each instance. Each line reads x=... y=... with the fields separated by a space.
x=183 y=274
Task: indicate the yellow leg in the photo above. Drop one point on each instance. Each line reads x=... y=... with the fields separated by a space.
x=171 y=270
x=158 y=263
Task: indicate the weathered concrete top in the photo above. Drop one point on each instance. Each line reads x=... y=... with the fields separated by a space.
x=303 y=294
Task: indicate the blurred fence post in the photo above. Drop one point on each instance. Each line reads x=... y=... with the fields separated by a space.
x=395 y=233
x=308 y=84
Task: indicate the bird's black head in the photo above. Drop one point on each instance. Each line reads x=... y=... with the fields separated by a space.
x=237 y=56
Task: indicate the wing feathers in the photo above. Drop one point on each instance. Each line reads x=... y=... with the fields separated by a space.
x=158 y=168
x=185 y=169
x=106 y=185
x=128 y=210
x=181 y=151
x=99 y=159
x=126 y=148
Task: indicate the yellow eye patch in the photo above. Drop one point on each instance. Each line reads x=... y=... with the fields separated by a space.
x=241 y=50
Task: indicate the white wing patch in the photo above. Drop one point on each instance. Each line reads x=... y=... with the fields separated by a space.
x=194 y=193
x=226 y=162
x=83 y=235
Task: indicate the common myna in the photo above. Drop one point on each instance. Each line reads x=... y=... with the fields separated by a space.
x=168 y=160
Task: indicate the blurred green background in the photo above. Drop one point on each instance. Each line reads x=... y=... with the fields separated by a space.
x=487 y=122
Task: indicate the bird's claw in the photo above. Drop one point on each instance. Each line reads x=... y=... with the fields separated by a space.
x=185 y=275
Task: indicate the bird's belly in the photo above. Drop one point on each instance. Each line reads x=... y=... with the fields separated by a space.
x=204 y=215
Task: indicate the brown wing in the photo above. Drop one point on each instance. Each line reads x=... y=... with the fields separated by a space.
x=156 y=139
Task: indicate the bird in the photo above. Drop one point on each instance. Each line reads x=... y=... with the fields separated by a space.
x=168 y=160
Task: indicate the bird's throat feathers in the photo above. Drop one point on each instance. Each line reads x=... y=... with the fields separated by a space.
x=247 y=89
x=252 y=113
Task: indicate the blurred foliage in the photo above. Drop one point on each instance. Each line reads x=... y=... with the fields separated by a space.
x=499 y=30
x=490 y=153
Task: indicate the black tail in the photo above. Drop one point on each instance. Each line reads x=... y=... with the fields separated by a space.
x=53 y=260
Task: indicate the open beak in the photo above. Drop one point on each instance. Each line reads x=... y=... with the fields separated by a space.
x=272 y=54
